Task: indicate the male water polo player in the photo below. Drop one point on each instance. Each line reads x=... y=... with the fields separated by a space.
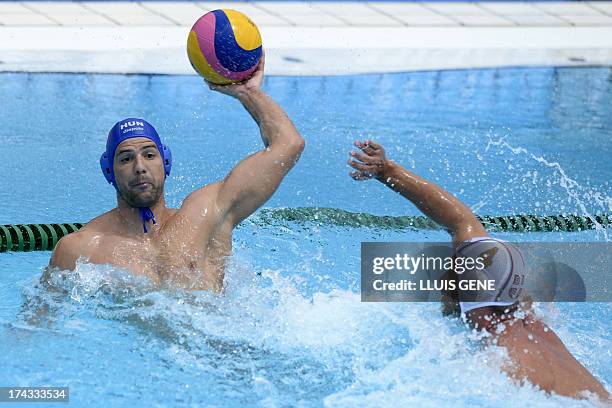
x=536 y=353
x=186 y=246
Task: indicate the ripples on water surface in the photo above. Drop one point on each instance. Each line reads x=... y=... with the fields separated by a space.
x=290 y=329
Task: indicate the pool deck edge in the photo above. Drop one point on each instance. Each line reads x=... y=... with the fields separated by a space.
x=307 y=51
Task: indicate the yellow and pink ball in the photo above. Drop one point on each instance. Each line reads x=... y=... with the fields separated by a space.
x=224 y=46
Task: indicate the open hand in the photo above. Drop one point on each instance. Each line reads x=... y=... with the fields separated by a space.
x=252 y=83
x=368 y=163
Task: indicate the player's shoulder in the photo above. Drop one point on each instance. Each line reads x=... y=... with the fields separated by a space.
x=76 y=241
x=208 y=193
x=68 y=243
x=79 y=243
x=99 y=224
x=67 y=250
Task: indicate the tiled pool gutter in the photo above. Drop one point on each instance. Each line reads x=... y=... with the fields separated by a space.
x=308 y=38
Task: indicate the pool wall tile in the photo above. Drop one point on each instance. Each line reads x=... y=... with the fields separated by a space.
x=313 y=14
x=483 y=20
x=410 y=9
x=314 y=20
x=568 y=8
x=358 y=14
x=129 y=14
x=118 y=7
x=290 y=7
x=250 y=8
x=13 y=7
x=25 y=19
x=258 y=14
x=308 y=38
x=82 y=20
x=513 y=9
x=602 y=6
x=582 y=20
x=457 y=9
x=537 y=20
x=427 y=20
x=181 y=13
x=50 y=7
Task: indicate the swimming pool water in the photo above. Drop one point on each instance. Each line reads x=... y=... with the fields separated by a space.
x=291 y=330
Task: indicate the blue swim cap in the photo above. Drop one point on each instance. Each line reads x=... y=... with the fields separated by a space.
x=127 y=129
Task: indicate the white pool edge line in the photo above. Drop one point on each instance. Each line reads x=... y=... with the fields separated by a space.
x=307 y=50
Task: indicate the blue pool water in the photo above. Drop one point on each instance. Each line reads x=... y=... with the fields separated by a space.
x=291 y=330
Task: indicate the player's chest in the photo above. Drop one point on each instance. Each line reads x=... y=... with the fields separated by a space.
x=153 y=258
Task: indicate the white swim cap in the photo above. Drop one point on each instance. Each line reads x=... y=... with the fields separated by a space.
x=503 y=264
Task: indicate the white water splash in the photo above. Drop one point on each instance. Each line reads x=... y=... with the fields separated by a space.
x=573 y=189
x=269 y=341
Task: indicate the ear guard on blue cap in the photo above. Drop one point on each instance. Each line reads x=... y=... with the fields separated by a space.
x=107 y=165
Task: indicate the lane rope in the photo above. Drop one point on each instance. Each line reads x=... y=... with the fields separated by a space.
x=41 y=237
x=504 y=223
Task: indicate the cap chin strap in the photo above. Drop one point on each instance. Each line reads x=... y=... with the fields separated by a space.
x=146 y=215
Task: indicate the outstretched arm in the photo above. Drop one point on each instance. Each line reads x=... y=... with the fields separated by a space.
x=435 y=202
x=251 y=183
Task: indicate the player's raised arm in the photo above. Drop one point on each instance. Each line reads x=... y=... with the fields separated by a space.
x=435 y=202
x=251 y=183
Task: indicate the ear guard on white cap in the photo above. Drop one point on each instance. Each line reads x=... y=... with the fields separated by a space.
x=503 y=264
